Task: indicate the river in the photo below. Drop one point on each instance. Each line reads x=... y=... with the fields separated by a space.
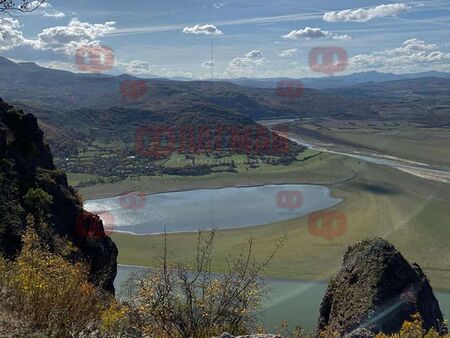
x=415 y=168
x=295 y=301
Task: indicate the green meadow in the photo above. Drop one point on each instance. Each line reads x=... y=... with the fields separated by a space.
x=410 y=212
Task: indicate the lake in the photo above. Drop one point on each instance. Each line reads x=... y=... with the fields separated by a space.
x=292 y=300
x=226 y=208
x=186 y=211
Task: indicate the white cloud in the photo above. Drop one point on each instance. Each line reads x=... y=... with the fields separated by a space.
x=206 y=29
x=314 y=33
x=35 y=4
x=208 y=64
x=10 y=34
x=246 y=64
x=61 y=65
x=364 y=15
x=289 y=52
x=55 y=14
x=174 y=73
x=135 y=67
x=414 y=55
x=411 y=46
x=76 y=34
x=59 y=39
x=43 y=8
x=220 y=5
x=254 y=54
x=299 y=67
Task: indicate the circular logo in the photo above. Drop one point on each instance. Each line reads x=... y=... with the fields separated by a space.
x=132 y=200
x=327 y=224
x=94 y=59
x=289 y=199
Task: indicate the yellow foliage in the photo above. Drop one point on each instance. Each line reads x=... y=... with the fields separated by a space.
x=414 y=329
x=113 y=317
x=51 y=295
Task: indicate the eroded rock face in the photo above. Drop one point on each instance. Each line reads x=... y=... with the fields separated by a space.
x=376 y=290
x=26 y=163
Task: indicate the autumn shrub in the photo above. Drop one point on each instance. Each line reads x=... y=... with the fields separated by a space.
x=410 y=329
x=185 y=299
x=414 y=329
x=48 y=294
x=284 y=330
x=115 y=319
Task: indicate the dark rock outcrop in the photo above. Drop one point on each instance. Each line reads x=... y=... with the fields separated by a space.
x=376 y=290
x=26 y=163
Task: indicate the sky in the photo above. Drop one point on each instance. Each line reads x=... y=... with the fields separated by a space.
x=200 y=39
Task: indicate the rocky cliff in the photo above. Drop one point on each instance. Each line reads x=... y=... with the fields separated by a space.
x=27 y=173
x=376 y=290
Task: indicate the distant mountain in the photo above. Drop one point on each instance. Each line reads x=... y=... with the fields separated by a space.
x=73 y=108
x=48 y=90
x=76 y=109
x=423 y=100
x=420 y=88
x=339 y=81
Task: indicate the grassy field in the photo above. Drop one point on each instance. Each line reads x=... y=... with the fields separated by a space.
x=320 y=169
x=410 y=212
x=75 y=178
x=429 y=145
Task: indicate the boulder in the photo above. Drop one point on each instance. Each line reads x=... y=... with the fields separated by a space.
x=376 y=290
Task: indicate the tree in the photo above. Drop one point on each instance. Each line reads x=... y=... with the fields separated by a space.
x=38 y=202
x=9 y=6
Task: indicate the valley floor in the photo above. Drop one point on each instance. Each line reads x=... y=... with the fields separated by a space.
x=410 y=212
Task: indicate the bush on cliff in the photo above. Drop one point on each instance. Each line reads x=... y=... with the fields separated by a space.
x=42 y=292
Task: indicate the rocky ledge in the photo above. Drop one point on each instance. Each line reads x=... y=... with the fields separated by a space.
x=376 y=290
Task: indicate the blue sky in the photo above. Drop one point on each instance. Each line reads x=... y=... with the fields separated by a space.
x=251 y=38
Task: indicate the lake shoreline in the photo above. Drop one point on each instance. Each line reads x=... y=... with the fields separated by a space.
x=146 y=193
x=189 y=211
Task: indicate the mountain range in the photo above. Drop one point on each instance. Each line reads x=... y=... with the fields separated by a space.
x=72 y=107
x=328 y=82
